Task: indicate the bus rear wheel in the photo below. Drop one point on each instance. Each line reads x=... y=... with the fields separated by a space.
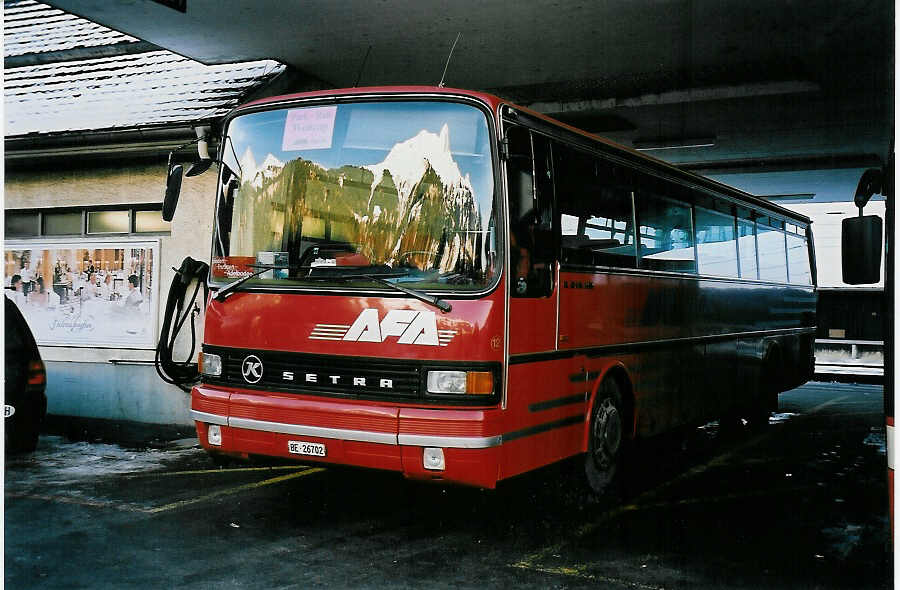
x=606 y=440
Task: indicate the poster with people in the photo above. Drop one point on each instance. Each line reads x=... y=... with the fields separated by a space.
x=86 y=294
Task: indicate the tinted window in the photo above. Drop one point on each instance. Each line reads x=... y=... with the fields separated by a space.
x=150 y=221
x=666 y=233
x=716 y=249
x=772 y=260
x=106 y=222
x=596 y=221
x=56 y=224
x=21 y=224
x=798 y=260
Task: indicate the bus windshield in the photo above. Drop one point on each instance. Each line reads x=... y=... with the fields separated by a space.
x=327 y=195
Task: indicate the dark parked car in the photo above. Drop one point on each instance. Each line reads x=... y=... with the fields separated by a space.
x=25 y=402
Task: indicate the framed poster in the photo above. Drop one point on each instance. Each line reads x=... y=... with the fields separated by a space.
x=86 y=293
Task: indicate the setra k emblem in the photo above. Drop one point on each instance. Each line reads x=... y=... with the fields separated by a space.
x=252 y=369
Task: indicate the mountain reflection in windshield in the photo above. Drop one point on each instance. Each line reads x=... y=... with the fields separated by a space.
x=414 y=209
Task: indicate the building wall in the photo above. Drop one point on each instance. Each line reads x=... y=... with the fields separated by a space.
x=119 y=383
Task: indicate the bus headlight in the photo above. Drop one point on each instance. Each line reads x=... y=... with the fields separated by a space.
x=460 y=382
x=210 y=364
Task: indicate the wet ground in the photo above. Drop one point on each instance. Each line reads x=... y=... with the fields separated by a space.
x=802 y=504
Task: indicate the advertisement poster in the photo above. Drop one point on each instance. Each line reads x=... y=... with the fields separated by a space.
x=86 y=294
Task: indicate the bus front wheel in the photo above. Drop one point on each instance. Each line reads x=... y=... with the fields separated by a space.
x=606 y=439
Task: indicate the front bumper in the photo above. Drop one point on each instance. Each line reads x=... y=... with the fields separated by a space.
x=363 y=434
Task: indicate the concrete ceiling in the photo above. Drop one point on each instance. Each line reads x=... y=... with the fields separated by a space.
x=752 y=80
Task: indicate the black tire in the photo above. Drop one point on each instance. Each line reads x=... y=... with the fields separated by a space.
x=607 y=439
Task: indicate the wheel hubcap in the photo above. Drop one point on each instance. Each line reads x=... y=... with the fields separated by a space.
x=607 y=434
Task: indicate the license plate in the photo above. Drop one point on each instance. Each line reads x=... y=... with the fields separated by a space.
x=299 y=447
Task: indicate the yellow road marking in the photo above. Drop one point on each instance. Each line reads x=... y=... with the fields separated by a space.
x=234 y=490
x=135 y=475
x=76 y=501
x=166 y=507
x=642 y=500
x=824 y=405
x=578 y=571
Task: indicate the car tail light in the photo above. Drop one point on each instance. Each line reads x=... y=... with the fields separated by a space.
x=36 y=373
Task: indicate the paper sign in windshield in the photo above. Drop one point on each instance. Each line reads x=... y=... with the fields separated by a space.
x=309 y=129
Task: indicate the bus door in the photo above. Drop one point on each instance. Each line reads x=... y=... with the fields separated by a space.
x=533 y=301
x=546 y=393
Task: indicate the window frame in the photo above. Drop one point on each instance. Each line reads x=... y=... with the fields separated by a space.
x=132 y=210
x=688 y=192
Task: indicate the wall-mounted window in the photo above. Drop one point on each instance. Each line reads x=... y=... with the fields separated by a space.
x=108 y=222
x=62 y=224
x=22 y=223
x=87 y=221
x=150 y=221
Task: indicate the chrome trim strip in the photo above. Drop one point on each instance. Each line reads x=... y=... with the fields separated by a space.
x=209 y=418
x=382 y=438
x=452 y=442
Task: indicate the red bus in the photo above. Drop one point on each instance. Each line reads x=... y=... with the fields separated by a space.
x=442 y=284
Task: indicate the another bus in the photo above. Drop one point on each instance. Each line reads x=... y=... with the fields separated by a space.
x=440 y=283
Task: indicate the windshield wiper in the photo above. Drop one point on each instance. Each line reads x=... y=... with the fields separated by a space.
x=230 y=288
x=420 y=295
x=381 y=278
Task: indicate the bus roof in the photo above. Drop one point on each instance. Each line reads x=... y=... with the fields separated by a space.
x=600 y=142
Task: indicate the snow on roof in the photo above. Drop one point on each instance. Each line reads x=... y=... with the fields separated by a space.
x=145 y=89
x=72 y=91
x=30 y=27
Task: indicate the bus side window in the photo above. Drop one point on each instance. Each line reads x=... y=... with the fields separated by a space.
x=747 y=244
x=666 y=234
x=596 y=220
x=772 y=252
x=798 y=256
x=530 y=227
x=716 y=243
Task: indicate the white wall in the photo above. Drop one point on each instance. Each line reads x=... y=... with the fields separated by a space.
x=119 y=383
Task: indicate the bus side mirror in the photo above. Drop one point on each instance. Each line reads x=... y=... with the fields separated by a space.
x=861 y=243
x=173 y=190
x=861 y=249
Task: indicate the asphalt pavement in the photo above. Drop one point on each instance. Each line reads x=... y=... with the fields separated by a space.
x=800 y=504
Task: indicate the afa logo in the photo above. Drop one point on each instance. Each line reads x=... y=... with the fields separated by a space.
x=406 y=325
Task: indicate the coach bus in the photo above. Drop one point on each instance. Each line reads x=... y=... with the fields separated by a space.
x=442 y=284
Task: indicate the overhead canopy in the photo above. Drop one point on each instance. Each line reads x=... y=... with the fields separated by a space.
x=734 y=79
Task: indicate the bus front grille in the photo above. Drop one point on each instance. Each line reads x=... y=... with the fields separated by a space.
x=317 y=374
